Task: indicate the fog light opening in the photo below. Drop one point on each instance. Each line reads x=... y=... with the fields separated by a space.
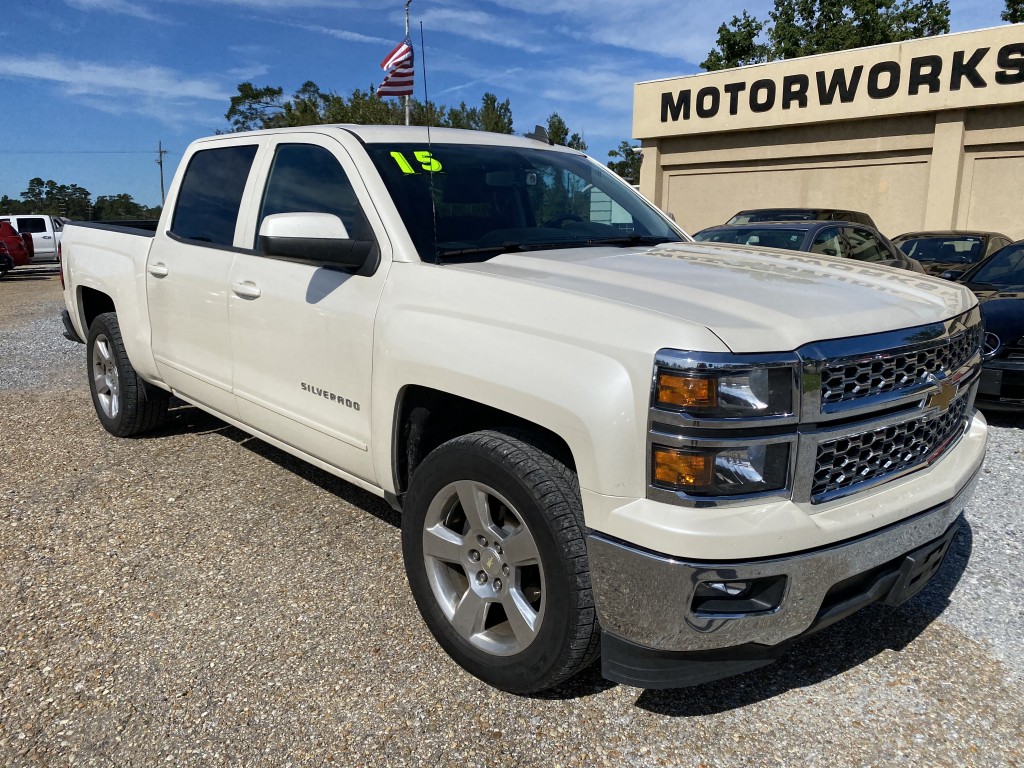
x=739 y=597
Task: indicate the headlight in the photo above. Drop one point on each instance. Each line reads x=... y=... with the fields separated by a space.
x=726 y=391
x=732 y=471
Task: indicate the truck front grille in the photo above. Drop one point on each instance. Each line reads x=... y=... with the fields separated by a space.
x=865 y=456
x=891 y=371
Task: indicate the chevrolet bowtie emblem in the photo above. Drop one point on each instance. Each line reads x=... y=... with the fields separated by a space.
x=943 y=397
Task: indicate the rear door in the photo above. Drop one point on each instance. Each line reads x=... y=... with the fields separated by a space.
x=302 y=334
x=188 y=269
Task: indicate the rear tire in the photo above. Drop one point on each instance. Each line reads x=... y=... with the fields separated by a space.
x=126 y=405
x=493 y=541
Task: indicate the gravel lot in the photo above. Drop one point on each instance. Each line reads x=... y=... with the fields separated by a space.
x=199 y=598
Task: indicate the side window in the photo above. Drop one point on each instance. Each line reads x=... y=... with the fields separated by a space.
x=33 y=224
x=211 y=194
x=864 y=246
x=307 y=178
x=827 y=242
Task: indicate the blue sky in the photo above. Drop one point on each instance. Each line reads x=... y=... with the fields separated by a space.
x=91 y=86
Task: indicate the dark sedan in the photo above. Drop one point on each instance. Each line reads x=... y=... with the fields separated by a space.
x=951 y=253
x=999 y=286
x=828 y=238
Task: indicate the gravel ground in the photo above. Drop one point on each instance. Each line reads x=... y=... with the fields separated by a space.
x=199 y=598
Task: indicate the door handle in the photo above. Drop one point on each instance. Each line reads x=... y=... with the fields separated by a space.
x=246 y=290
x=47 y=237
x=159 y=270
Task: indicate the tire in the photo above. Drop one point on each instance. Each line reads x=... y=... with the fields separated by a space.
x=504 y=587
x=125 y=404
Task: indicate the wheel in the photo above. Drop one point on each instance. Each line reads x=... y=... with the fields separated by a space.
x=559 y=219
x=492 y=536
x=125 y=404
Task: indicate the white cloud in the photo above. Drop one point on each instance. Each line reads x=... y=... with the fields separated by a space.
x=154 y=92
x=485 y=27
x=681 y=31
x=85 y=77
x=117 y=6
x=342 y=34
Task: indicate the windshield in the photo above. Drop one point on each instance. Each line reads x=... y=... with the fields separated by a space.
x=948 y=250
x=766 y=237
x=475 y=201
x=1005 y=268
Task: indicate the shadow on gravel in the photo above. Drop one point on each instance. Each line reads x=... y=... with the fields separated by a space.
x=24 y=275
x=831 y=652
x=187 y=419
x=1005 y=419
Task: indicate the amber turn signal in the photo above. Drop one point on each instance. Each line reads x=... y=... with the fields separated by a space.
x=683 y=391
x=682 y=470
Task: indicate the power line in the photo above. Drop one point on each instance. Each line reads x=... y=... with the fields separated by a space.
x=80 y=152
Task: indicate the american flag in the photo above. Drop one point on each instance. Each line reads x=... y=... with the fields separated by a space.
x=402 y=52
x=398 y=82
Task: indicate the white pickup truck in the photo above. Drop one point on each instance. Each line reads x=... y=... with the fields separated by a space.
x=603 y=439
x=45 y=230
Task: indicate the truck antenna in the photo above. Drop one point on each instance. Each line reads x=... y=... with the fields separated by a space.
x=430 y=166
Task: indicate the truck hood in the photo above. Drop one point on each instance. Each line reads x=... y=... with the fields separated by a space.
x=753 y=300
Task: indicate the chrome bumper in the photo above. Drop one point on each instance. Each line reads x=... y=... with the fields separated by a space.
x=647 y=599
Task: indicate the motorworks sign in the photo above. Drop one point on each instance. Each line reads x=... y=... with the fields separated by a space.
x=959 y=71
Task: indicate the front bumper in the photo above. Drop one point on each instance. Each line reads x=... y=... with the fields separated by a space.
x=658 y=636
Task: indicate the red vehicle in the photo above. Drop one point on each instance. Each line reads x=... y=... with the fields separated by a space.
x=15 y=245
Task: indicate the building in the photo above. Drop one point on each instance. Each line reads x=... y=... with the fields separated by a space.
x=926 y=134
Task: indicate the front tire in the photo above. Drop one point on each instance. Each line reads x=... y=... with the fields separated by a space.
x=492 y=537
x=125 y=404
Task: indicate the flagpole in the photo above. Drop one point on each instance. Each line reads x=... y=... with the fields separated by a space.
x=407 y=2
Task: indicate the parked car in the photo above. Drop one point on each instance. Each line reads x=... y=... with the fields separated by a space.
x=951 y=253
x=759 y=215
x=45 y=230
x=998 y=283
x=828 y=238
x=15 y=244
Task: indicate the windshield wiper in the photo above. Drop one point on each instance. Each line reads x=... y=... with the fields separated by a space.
x=514 y=247
x=508 y=247
x=630 y=240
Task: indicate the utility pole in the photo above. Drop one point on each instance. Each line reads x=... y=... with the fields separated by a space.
x=407 y=3
x=160 y=152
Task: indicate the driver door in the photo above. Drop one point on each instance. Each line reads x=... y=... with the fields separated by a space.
x=302 y=334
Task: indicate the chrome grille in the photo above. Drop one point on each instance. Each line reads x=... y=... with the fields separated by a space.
x=857 y=458
x=850 y=378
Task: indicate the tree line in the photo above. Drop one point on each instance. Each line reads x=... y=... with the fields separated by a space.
x=256 y=108
x=75 y=202
x=804 y=27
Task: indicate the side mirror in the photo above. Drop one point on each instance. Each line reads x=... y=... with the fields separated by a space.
x=952 y=274
x=318 y=238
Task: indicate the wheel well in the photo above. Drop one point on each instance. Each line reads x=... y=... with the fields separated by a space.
x=426 y=418
x=94 y=303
